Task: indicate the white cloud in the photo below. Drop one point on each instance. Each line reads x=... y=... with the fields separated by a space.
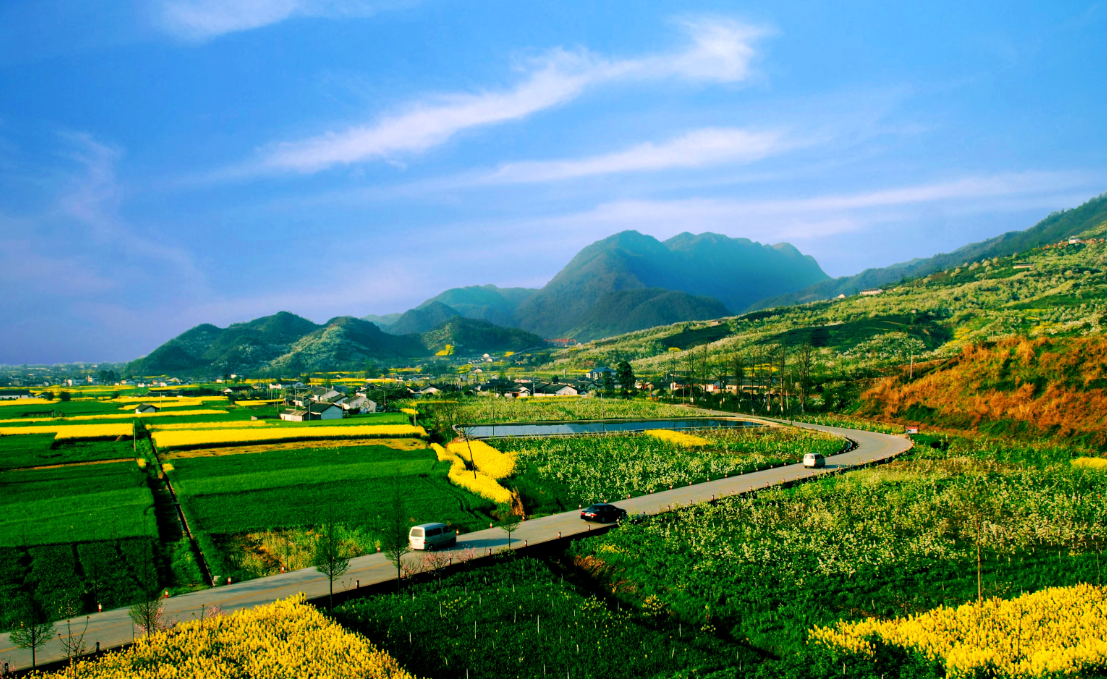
x=826 y=215
x=720 y=51
x=698 y=148
x=205 y=19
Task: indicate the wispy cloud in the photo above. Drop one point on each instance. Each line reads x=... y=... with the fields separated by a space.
x=206 y=19
x=818 y=216
x=720 y=50
x=698 y=148
x=92 y=198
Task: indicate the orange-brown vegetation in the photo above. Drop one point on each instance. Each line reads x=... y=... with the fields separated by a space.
x=1055 y=387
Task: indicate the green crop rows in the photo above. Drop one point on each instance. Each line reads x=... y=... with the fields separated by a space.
x=35 y=450
x=282 y=489
x=559 y=473
x=79 y=535
x=888 y=541
x=518 y=619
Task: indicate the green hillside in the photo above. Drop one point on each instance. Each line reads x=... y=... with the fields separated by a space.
x=422 y=319
x=1054 y=292
x=1055 y=227
x=472 y=336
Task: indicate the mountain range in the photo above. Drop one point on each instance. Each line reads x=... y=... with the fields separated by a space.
x=285 y=343
x=628 y=282
x=623 y=283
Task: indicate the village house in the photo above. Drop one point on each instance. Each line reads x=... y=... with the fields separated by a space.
x=598 y=373
x=360 y=404
x=872 y=292
x=7 y=396
x=145 y=409
x=314 y=411
x=555 y=390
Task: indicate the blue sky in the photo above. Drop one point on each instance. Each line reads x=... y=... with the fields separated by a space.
x=171 y=162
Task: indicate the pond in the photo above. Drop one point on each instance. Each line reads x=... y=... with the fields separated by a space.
x=483 y=431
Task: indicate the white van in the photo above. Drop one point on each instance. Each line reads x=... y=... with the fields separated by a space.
x=814 y=460
x=431 y=536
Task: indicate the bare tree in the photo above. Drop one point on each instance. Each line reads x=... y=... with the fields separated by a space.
x=73 y=643
x=738 y=369
x=805 y=360
x=332 y=557
x=510 y=522
x=35 y=627
x=148 y=614
x=394 y=532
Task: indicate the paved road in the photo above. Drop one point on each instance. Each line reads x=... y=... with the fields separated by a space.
x=113 y=628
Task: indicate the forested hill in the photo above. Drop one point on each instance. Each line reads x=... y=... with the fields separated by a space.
x=286 y=343
x=1055 y=227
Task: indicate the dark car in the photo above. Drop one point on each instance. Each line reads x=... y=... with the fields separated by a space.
x=603 y=513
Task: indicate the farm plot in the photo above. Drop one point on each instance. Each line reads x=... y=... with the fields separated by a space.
x=76 y=534
x=208 y=438
x=74 y=503
x=518 y=618
x=558 y=473
x=235 y=501
x=36 y=450
x=485 y=410
x=877 y=544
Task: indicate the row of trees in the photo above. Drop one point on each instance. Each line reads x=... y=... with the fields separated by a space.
x=771 y=378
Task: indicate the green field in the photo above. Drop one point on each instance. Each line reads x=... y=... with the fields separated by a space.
x=255 y=493
x=519 y=618
x=73 y=504
x=889 y=541
x=36 y=450
x=78 y=534
x=556 y=474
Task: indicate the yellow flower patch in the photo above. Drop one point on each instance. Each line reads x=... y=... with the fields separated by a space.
x=1090 y=462
x=204 y=438
x=233 y=424
x=73 y=431
x=117 y=416
x=1060 y=630
x=480 y=483
x=286 y=639
x=486 y=458
x=680 y=439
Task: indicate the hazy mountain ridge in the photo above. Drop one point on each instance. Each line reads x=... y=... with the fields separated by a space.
x=734 y=271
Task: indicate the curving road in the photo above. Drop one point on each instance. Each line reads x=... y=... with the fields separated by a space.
x=113 y=628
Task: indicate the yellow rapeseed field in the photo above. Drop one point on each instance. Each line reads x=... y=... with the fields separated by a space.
x=486 y=458
x=206 y=438
x=679 y=438
x=24 y=402
x=73 y=431
x=117 y=416
x=286 y=639
x=480 y=483
x=233 y=424
x=1060 y=630
x=1090 y=462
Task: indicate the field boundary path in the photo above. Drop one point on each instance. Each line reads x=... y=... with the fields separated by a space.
x=113 y=628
